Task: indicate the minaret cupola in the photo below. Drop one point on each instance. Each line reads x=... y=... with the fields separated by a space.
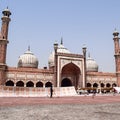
x=115 y=33
x=6 y=12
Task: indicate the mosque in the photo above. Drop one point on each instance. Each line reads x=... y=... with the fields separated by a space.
x=64 y=68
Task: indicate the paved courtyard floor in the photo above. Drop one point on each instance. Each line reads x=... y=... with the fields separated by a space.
x=103 y=107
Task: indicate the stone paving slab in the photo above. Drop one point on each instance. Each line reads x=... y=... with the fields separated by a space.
x=63 y=108
x=9 y=101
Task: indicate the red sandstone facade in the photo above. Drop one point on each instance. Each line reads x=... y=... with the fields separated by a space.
x=68 y=70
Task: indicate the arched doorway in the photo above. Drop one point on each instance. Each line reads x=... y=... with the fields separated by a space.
x=48 y=84
x=108 y=85
x=73 y=72
x=102 y=85
x=9 y=83
x=30 y=84
x=88 y=84
x=95 y=85
x=39 y=84
x=66 y=82
x=20 y=84
x=114 y=85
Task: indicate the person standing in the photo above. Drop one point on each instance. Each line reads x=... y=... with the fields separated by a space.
x=93 y=95
x=51 y=91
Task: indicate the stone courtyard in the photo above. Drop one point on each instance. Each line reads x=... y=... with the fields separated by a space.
x=101 y=107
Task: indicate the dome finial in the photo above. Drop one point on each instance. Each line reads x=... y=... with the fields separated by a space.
x=89 y=54
x=115 y=33
x=61 y=40
x=29 y=48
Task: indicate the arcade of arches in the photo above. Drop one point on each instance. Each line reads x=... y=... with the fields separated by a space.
x=28 y=84
x=96 y=85
x=65 y=82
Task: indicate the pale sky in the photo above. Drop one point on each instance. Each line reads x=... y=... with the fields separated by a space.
x=39 y=23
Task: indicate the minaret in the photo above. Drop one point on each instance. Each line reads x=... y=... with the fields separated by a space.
x=3 y=43
x=117 y=55
x=55 y=63
x=84 y=55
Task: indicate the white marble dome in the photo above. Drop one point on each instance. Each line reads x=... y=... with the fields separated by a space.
x=61 y=49
x=51 y=59
x=28 y=60
x=91 y=65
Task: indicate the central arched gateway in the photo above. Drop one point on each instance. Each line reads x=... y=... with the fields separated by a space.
x=70 y=75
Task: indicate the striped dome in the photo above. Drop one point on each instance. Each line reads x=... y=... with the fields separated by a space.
x=28 y=59
x=91 y=65
x=61 y=49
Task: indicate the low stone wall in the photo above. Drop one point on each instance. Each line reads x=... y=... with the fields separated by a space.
x=6 y=91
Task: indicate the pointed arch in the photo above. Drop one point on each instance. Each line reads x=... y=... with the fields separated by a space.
x=9 y=83
x=89 y=85
x=71 y=68
x=29 y=84
x=114 y=85
x=102 y=85
x=95 y=85
x=70 y=75
x=108 y=85
x=39 y=84
x=66 y=82
x=48 y=84
x=20 y=84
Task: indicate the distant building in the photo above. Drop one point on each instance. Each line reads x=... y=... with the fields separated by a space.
x=65 y=68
